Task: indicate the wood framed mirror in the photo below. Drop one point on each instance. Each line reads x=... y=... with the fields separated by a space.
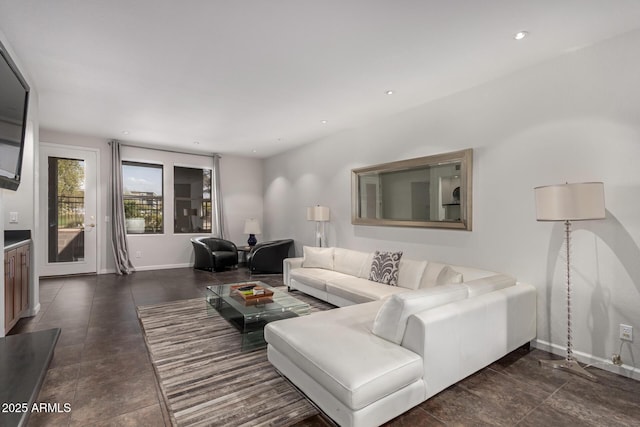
x=432 y=192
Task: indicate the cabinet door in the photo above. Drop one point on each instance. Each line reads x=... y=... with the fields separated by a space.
x=9 y=258
x=25 y=260
x=17 y=284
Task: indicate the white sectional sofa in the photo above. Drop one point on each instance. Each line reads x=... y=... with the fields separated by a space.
x=388 y=350
x=340 y=276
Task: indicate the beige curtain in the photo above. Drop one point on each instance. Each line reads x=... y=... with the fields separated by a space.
x=217 y=226
x=118 y=232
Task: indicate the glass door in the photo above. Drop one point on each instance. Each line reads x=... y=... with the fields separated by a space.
x=68 y=196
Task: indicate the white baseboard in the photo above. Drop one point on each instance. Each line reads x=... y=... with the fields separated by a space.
x=148 y=268
x=162 y=267
x=589 y=359
x=32 y=311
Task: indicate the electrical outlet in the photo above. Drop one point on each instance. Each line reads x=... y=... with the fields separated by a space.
x=138 y=254
x=626 y=332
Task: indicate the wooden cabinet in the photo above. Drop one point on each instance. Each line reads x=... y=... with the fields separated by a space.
x=16 y=284
x=25 y=260
x=9 y=259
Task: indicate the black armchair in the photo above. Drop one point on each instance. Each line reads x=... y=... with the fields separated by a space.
x=214 y=254
x=267 y=257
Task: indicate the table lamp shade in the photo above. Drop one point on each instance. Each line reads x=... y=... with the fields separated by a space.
x=318 y=213
x=570 y=202
x=251 y=226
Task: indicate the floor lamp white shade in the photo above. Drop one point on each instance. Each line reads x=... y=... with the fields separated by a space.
x=570 y=202
x=319 y=214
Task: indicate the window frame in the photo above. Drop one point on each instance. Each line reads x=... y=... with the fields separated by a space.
x=177 y=219
x=151 y=165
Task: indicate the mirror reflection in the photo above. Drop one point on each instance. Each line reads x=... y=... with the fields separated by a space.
x=433 y=191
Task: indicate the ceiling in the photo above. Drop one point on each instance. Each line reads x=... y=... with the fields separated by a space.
x=258 y=77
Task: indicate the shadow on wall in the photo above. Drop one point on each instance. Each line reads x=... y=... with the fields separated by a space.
x=613 y=234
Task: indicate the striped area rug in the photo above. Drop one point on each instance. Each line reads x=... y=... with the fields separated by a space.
x=206 y=380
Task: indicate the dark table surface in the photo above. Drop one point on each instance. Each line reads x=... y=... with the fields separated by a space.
x=24 y=360
x=11 y=237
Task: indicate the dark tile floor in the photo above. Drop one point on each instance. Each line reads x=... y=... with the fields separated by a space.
x=101 y=366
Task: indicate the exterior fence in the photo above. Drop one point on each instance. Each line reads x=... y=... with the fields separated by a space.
x=70 y=211
x=148 y=207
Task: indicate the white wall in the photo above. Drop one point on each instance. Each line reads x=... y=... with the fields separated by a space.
x=241 y=180
x=241 y=187
x=575 y=118
x=22 y=200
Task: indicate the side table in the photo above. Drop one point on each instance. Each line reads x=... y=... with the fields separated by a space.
x=243 y=251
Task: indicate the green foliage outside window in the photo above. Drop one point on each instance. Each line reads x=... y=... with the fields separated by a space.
x=70 y=192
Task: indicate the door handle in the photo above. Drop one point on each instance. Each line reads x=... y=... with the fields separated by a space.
x=92 y=225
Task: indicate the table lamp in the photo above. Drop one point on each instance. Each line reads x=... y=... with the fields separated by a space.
x=319 y=214
x=251 y=227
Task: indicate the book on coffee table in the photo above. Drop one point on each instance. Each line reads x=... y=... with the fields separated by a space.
x=251 y=292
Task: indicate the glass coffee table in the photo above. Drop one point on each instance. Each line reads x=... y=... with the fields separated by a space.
x=250 y=314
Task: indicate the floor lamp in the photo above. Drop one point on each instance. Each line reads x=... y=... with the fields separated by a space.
x=569 y=202
x=319 y=214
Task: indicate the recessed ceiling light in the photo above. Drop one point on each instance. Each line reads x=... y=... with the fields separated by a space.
x=389 y=92
x=254 y=151
x=324 y=122
x=196 y=142
x=520 y=35
x=125 y=132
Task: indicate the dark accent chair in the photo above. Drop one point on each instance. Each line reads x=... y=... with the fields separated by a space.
x=214 y=254
x=267 y=257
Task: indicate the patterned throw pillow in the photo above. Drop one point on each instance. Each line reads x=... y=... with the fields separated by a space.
x=384 y=268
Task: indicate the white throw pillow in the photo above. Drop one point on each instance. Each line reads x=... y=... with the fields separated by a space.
x=391 y=320
x=410 y=272
x=348 y=261
x=317 y=257
x=448 y=275
x=437 y=274
x=366 y=267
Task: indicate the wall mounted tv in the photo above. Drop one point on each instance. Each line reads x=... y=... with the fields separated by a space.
x=14 y=100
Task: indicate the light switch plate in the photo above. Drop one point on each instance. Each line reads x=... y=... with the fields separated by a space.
x=13 y=217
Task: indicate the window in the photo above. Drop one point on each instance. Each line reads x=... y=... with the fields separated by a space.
x=66 y=210
x=192 y=192
x=142 y=189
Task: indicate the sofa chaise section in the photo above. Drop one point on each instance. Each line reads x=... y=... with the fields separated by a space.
x=358 y=378
x=348 y=372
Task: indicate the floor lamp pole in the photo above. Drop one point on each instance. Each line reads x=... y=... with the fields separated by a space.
x=569 y=364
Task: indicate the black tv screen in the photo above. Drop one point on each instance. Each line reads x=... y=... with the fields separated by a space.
x=14 y=100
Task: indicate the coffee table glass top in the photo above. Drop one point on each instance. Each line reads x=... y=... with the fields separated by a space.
x=252 y=316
